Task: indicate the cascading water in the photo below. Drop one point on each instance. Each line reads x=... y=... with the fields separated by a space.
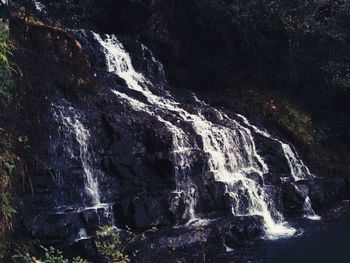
x=74 y=140
x=229 y=147
x=298 y=169
x=73 y=127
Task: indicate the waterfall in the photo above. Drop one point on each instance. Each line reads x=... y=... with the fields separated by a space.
x=73 y=127
x=298 y=169
x=74 y=139
x=230 y=149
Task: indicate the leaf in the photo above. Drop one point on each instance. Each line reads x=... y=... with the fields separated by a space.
x=9 y=166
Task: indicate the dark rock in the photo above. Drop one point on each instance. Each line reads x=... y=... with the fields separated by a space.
x=272 y=179
x=143 y=212
x=177 y=206
x=275 y=196
x=302 y=187
x=97 y=216
x=214 y=197
x=324 y=191
x=337 y=211
x=293 y=199
x=244 y=229
x=194 y=243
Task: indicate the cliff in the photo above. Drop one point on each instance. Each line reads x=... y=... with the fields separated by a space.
x=104 y=134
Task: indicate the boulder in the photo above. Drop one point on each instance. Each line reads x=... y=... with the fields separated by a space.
x=293 y=199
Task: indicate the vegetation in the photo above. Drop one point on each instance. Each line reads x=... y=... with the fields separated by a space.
x=6 y=83
x=113 y=247
x=51 y=255
x=7 y=202
x=308 y=39
x=109 y=243
x=295 y=122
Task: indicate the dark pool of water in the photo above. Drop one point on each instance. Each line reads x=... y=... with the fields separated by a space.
x=321 y=242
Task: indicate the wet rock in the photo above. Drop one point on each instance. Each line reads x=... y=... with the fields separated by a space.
x=302 y=187
x=180 y=245
x=337 y=211
x=318 y=192
x=56 y=226
x=243 y=229
x=196 y=242
x=214 y=197
x=293 y=199
x=96 y=216
x=275 y=196
x=272 y=179
x=143 y=212
x=177 y=207
x=324 y=191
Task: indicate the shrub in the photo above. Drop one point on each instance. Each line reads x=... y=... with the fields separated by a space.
x=7 y=204
x=113 y=247
x=6 y=83
x=296 y=123
x=51 y=255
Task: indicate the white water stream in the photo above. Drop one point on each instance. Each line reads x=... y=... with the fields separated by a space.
x=75 y=139
x=298 y=169
x=75 y=130
x=230 y=148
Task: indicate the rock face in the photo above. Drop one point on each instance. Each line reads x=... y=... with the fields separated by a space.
x=132 y=154
x=176 y=30
x=108 y=163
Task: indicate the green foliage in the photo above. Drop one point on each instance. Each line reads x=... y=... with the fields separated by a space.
x=7 y=202
x=296 y=123
x=51 y=255
x=113 y=248
x=7 y=165
x=6 y=84
x=6 y=209
x=109 y=245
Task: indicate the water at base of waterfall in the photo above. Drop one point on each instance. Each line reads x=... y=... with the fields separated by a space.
x=309 y=212
x=321 y=242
